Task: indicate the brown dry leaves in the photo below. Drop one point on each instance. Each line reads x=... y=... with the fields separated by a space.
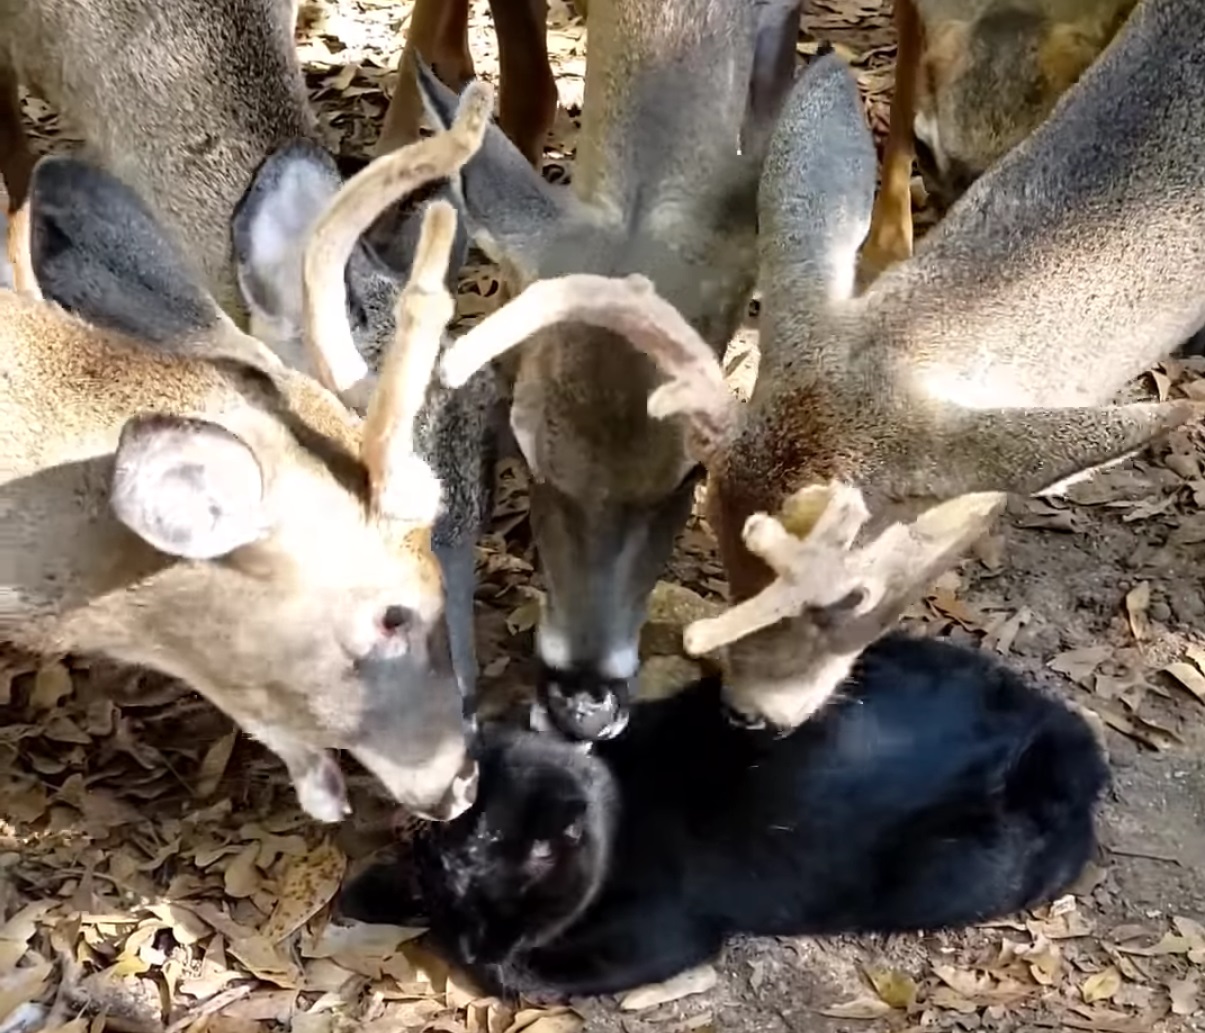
x=1056 y=972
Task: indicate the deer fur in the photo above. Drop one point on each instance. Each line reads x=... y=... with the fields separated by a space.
x=438 y=33
x=973 y=79
x=680 y=97
x=178 y=498
x=201 y=108
x=885 y=430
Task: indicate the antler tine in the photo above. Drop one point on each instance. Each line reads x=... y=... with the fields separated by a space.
x=629 y=307
x=823 y=567
x=821 y=553
x=400 y=489
x=362 y=198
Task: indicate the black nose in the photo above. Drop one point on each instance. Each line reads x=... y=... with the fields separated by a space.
x=582 y=704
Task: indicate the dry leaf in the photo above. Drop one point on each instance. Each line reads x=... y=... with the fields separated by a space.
x=861 y=1008
x=308 y=886
x=693 y=981
x=1138 y=602
x=1100 y=986
x=1183 y=994
x=1080 y=664
x=213 y=764
x=896 y=988
x=564 y=1022
x=241 y=877
x=52 y=684
x=1188 y=676
x=21 y=986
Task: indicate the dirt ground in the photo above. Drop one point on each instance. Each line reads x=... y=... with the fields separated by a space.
x=156 y=877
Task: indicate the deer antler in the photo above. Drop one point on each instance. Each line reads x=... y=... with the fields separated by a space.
x=362 y=198
x=822 y=571
x=423 y=310
x=631 y=308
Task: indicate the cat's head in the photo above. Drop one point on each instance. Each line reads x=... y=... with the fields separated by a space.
x=518 y=867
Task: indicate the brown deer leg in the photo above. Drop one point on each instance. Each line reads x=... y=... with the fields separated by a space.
x=439 y=33
x=16 y=159
x=528 y=98
x=890 y=236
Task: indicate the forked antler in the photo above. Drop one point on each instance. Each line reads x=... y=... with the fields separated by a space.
x=328 y=338
x=631 y=308
x=820 y=570
x=403 y=486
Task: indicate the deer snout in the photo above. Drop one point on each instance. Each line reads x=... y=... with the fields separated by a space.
x=461 y=795
x=583 y=704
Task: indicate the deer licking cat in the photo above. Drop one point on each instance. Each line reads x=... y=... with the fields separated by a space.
x=680 y=98
x=885 y=429
x=176 y=497
x=200 y=107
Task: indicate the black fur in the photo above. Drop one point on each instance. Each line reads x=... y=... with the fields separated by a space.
x=940 y=789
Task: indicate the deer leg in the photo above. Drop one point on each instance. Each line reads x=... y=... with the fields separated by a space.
x=527 y=95
x=16 y=159
x=439 y=34
x=890 y=236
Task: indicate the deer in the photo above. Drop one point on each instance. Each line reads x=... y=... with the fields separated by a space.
x=438 y=34
x=177 y=497
x=886 y=429
x=200 y=107
x=973 y=79
x=680 y=98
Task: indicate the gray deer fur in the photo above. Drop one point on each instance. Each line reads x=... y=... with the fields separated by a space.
x=985 y=364
x=660 y=187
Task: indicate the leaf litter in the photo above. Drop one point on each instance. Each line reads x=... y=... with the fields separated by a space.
x=156 y=876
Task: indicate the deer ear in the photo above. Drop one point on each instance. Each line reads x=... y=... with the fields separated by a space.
x=512 y=213
x=815 y=195
x=188 y=487
x=777 y=33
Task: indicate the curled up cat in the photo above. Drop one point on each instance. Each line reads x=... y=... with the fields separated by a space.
x=940 y=789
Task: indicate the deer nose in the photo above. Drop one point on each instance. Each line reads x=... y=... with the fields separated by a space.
x=584 y=705
x=461 y=795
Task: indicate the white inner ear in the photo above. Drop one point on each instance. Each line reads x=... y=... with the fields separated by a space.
x=278 y=235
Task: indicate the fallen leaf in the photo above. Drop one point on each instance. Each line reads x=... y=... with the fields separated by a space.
x=1080 y=664
x=52 y=684
x=860 y=1008
x=693 y=981
x=896 y=988
x=1188 y=676
x=1138 y=601
x=308 y=886
x=1100 y=986
x=213 y=764
x=21 y=986
x=1183 y=994
x=241 y=877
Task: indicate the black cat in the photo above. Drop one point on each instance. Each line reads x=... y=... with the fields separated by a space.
x=939 y=790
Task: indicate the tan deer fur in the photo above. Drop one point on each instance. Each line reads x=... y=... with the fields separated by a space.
x=973 y=79
x=195 y=506
x=981 y=366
